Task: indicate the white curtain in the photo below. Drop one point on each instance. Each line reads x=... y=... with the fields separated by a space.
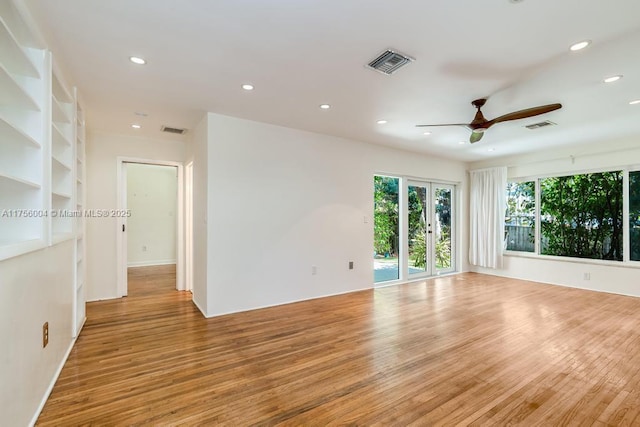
x=487 y=208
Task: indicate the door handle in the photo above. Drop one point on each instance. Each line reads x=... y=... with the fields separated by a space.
x=123 y=228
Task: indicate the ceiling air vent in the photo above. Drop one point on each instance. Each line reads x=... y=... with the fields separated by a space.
x=177 y=131
x=389 y=61
x=540 y=125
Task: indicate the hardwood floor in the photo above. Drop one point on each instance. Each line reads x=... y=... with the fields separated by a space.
x=469 y=349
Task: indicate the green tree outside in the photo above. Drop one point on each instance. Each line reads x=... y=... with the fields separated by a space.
x=581 y=216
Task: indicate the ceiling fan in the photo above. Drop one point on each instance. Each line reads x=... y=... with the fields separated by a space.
x=479 y=124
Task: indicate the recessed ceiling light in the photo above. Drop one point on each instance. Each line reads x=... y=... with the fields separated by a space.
x=612 y=79
x=136 y=126
x=491 y=149
x=381 y=122
x=325 y=106
x=637 y=101
x=247 y=87
x=137 y=60
x=462 y=142
x=426 y=133
x=580 y=45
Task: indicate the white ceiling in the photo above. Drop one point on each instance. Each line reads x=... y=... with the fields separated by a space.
x=302 y=53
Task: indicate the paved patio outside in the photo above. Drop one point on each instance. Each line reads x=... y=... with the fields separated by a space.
x=385 y=271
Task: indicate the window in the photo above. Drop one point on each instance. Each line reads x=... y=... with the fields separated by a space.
x=520 y=219
x=634 y=215
x=581 y=216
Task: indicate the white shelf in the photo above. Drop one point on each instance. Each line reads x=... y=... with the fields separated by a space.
x=16 y=22
x=9 y=131
x=58 y=135
x=59 y=92
x=60 y=194
x=19 y=63
x=19 y=181
x=14 y=93
x=59 y=163
x=61 y=112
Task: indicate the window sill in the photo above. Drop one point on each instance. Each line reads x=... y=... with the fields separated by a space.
x=622 y=264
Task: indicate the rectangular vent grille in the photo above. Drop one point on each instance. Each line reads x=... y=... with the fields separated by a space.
x=389 y=62
x=177 y=131
x=540 y=125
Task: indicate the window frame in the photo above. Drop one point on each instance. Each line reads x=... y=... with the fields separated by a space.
x=626 y=244
x=536 y=215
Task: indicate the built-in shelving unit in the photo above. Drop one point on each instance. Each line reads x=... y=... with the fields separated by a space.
x=80 y=249
x=42 y=149
x=23 y=117
x=62 y=160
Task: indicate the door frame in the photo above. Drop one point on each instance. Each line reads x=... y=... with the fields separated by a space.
x=452 y=231
x=188 y=253
x=121 y=237
x=429 y=240
x=431 y=269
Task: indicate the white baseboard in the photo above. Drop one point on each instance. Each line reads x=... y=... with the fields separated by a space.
x=53 y=383
x=193 y=300
x=151 y=263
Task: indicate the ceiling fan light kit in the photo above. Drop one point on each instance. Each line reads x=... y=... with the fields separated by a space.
x=480 y=124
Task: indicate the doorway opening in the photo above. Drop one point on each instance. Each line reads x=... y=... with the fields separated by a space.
x=414 y=229
x=150 y=225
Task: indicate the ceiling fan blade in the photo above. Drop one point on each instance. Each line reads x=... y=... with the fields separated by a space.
x=448 y=124
x=523 y=114
x=475 y=137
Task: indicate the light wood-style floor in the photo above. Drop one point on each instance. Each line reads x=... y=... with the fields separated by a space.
x=469 y=349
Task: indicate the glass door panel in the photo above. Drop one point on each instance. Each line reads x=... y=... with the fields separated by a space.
x=386 y=228
x=417 y=228
x=443 y=230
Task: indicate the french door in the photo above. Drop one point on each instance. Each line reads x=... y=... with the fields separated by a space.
x=429 y=229
x=414 y=229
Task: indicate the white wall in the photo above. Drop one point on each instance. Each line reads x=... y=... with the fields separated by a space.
x=102 y=152
x=283 y=200
x=152 y=197
x=605 y=276
x=197 y=153
x=34 y=288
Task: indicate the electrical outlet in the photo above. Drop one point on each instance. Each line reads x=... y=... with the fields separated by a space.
x=350 y=265
x=314 y=270
x=45 y=334
x=587 y=276
x=144 y=248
